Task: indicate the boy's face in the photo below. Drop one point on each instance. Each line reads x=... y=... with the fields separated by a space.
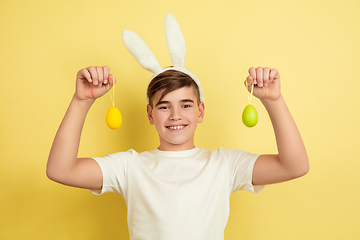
x=175 y=118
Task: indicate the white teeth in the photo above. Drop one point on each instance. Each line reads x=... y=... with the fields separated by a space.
x=176 y=127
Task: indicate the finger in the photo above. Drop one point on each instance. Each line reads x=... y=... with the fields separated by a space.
x=266 y=76
x=248 y=82
x=111 y=79
x=100 y=73
x=84 y=73
x=252 y=72
x=94 y=75
x=274 y=74
x=106 y=71
x=259 y=76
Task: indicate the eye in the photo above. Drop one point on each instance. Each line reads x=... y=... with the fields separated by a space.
x=186 y=106
x=163 y=107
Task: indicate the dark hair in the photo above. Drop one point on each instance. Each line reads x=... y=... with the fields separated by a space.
x=170 y=80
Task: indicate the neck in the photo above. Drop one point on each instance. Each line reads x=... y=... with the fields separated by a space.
x=165 y=146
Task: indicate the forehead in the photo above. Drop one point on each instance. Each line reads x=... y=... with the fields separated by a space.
x=176 y=95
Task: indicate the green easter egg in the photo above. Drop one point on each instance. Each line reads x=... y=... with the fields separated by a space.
x=250 y=116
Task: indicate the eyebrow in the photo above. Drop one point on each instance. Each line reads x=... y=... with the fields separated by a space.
x=182 y=101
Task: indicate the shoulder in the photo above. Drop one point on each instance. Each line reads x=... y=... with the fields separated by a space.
x=125 y=154
x=118 y=157
x=229 y=152
x=234 y=156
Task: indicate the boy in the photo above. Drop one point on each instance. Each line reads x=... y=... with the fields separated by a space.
x=176 y=191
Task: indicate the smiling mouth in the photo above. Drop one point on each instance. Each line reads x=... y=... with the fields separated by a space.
x=178 y=127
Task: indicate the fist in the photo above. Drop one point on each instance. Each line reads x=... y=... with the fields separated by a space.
x=266 y=83
x=93 y=82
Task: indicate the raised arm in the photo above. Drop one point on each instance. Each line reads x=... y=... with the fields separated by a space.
x=63 y=165
x=291 y=161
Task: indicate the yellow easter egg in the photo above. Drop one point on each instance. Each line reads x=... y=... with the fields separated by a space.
x=250 y=116
x=113 y=118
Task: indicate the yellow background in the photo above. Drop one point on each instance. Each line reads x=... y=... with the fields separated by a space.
x=314 y=45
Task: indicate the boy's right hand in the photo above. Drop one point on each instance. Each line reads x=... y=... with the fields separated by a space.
x=93 y=82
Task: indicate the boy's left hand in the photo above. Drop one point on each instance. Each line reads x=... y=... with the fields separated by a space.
x=267 y=83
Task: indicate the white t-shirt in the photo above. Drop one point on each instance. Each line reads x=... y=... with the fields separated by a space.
x=178 y=195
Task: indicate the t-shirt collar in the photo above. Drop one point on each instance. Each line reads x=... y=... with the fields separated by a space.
x=178 y=154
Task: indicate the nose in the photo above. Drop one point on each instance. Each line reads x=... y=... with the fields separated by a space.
x=175 y=114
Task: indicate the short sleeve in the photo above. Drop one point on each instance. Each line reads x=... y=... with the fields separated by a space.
x=241 y=166
x=114 y=169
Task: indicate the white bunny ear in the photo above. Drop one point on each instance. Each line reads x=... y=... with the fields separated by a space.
x=175 y=41
x=141 y=52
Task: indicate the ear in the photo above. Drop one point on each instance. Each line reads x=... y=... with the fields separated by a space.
x=201 y=112
x=149 y=114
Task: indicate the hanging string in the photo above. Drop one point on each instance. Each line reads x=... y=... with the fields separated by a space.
x=250 y=94
x=112 y=96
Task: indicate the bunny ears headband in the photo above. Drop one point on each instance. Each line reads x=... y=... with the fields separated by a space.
x=176 y=46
